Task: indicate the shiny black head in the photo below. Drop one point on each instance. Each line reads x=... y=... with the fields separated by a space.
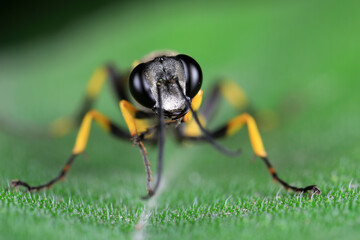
x=166 y=70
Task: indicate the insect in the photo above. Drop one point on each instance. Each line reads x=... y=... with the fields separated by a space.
x=168 y=87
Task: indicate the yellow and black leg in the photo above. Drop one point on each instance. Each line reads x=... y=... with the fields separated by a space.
x=223 y=89
x=79 y=147
x=138 y=127
x=235 y=125
x=196 y=123
x=140 y=130
x=118 y=83
x=231 y=92
x=197 y=131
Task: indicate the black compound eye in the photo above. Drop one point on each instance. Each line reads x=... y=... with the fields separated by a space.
x=193 y=75
x=139 y=87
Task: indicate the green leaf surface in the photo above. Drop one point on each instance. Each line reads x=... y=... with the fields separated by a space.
x=299 y=65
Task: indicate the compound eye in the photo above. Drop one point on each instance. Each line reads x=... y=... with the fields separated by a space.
x=139 y=87
x=193 y=75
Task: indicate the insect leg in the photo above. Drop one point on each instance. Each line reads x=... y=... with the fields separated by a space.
x=235 y=125
x=65 y=125
x=79 y=147
x=137 y=128
x=203 y=130
x=224 y=88
x=229 y=90
x=119 y=83
x=129 y=113
x=237 y=98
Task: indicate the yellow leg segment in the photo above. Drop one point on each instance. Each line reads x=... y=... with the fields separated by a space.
x=84 y=132
x=61 y=126
x=195 y=105
x=96 y=82
x=65 y=125
x=234 y=94
x=238 y=122
x=192 y=129
x=135 y=125
x=231 y=92
x=79 y=147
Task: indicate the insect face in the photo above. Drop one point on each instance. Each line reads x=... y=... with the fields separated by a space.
x=166 y=71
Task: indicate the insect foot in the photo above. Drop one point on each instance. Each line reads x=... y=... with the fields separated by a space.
x=313 y=190
x=17 y=183
x=150 y=194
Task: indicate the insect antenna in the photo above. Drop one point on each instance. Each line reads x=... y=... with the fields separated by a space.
x=161 y=136
x=207 y=135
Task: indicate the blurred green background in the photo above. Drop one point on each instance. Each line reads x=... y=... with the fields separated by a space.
x=297 y=60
